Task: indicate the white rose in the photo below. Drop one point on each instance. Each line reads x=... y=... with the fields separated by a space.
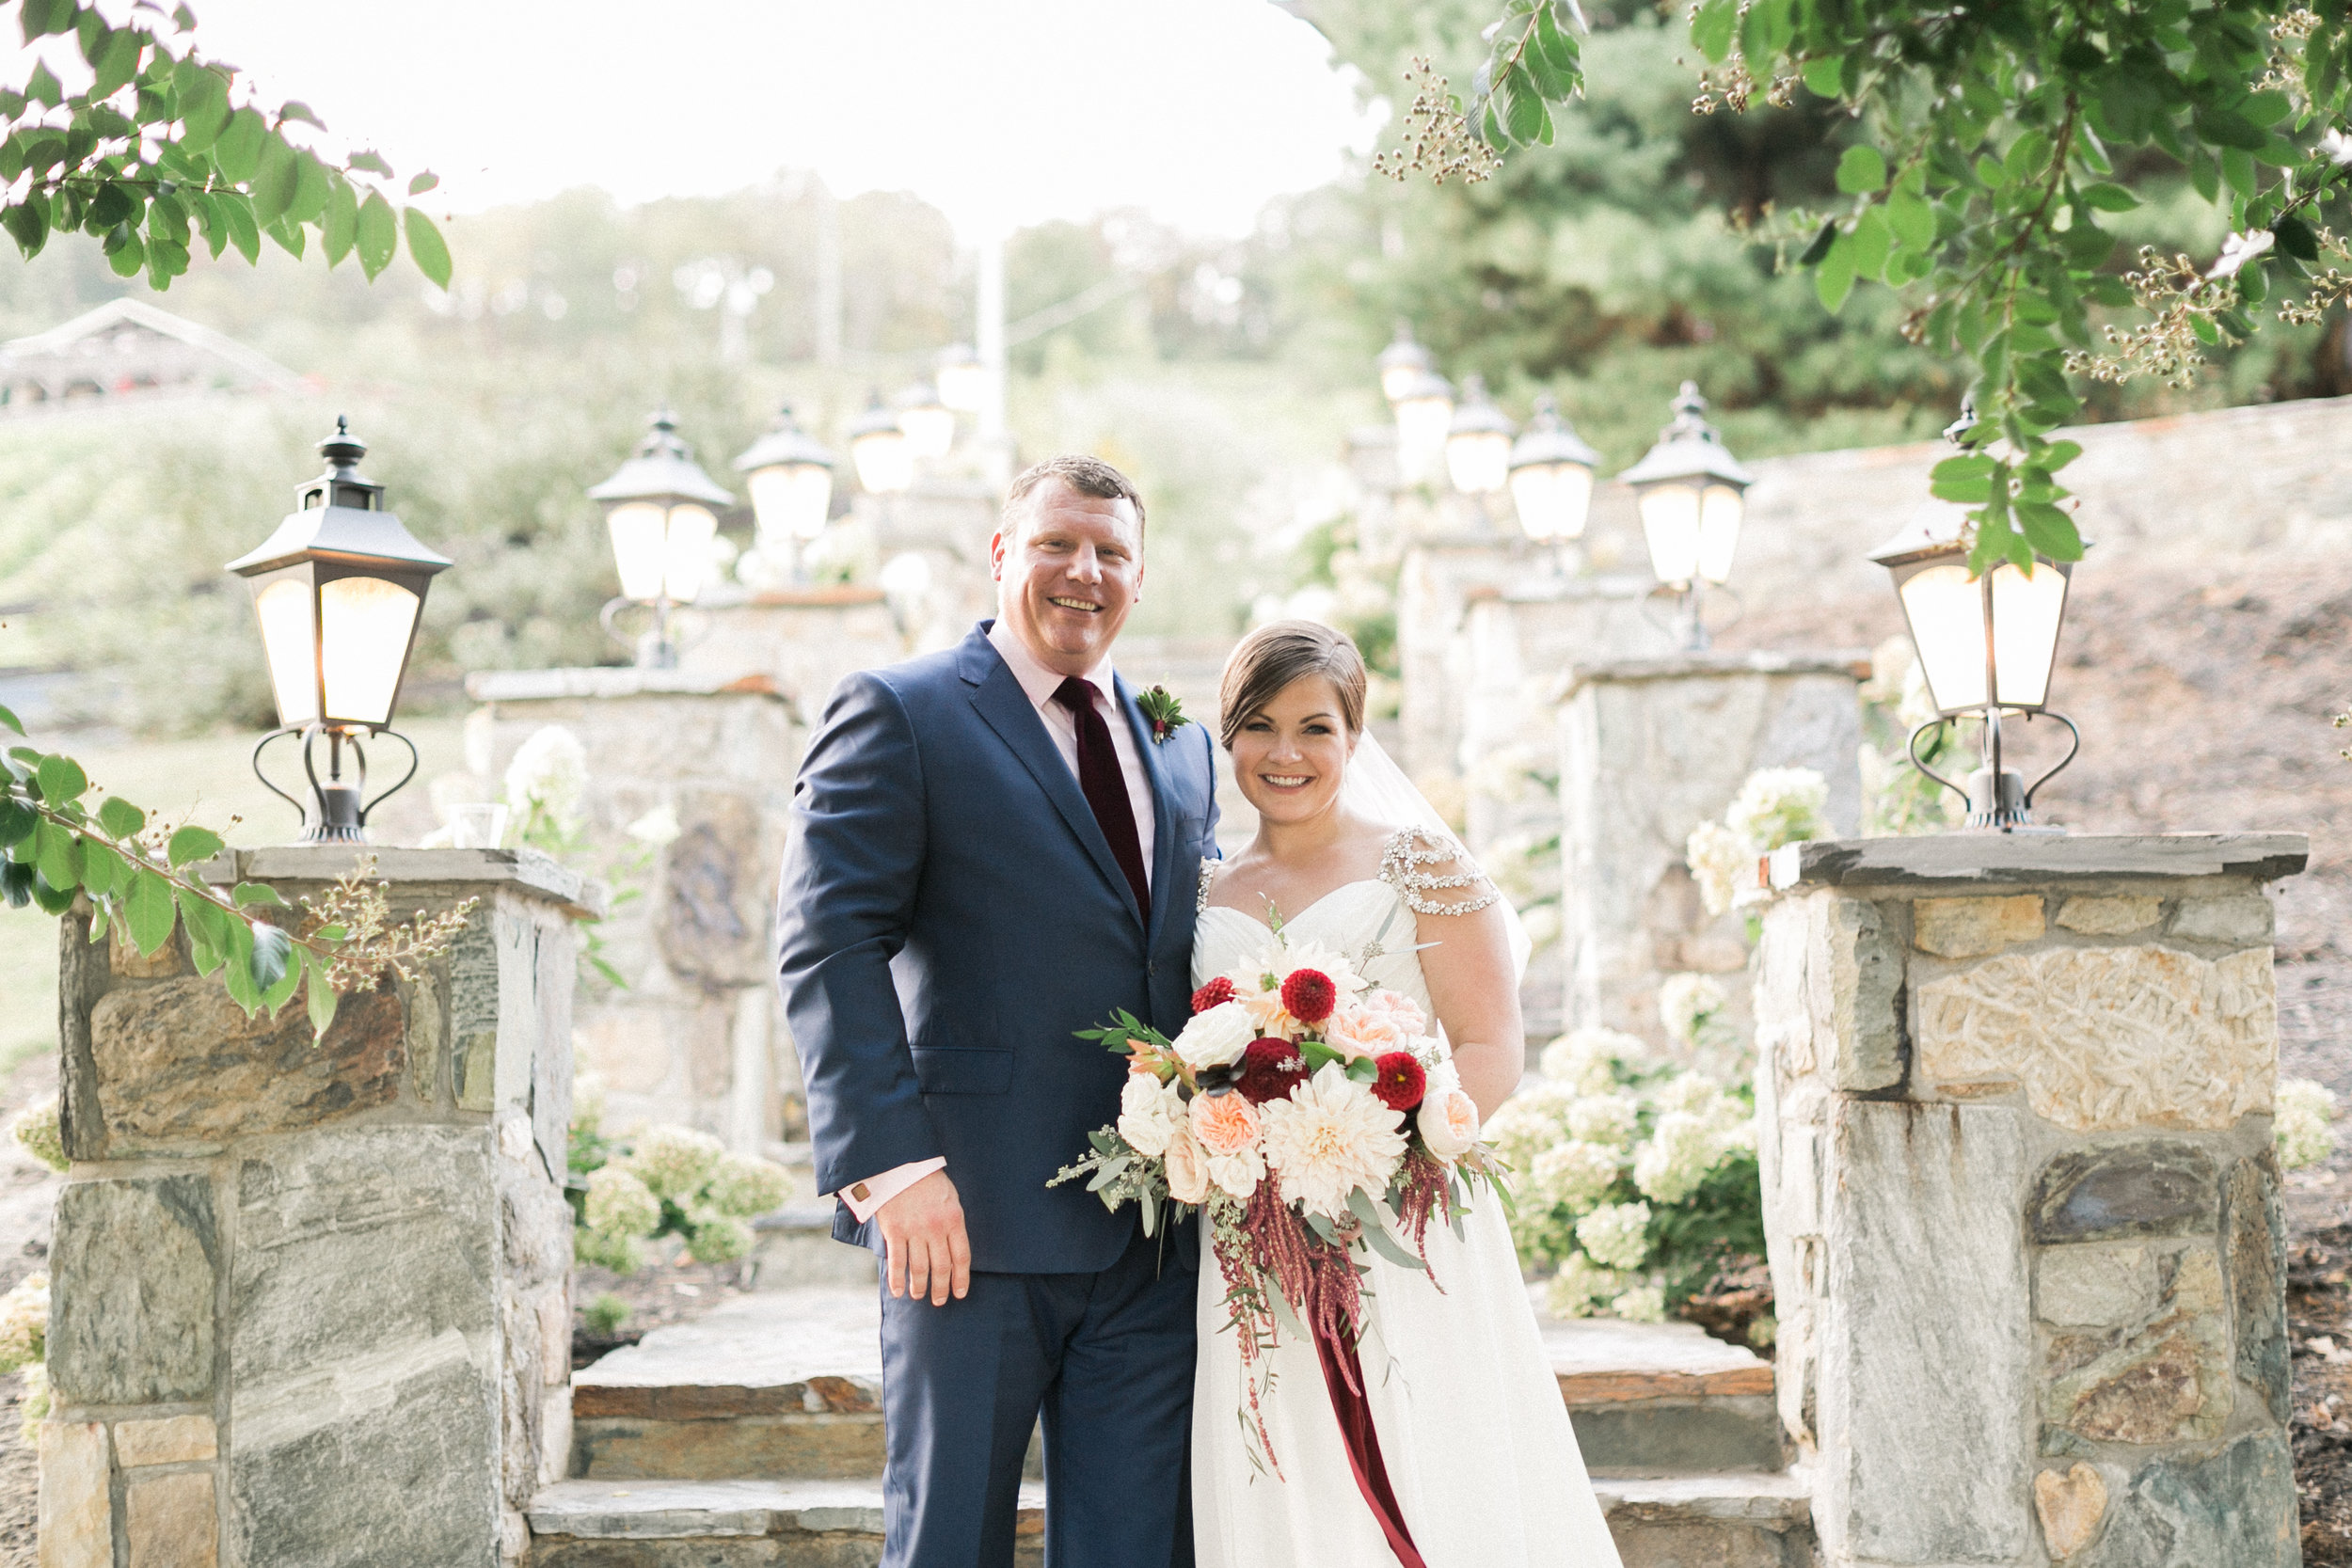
x=1188 y=1169
x=1215 y=1038
x=1147 y=1112
x=1449 y=1123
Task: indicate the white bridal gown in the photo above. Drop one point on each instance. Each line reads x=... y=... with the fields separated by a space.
x=1473 y=1433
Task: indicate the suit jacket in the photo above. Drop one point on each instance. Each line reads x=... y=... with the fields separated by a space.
x=949 y=914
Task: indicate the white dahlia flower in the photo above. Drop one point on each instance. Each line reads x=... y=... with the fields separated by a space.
x=1331 y=1136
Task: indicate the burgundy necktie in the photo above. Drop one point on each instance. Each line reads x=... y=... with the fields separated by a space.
x=1106 y=786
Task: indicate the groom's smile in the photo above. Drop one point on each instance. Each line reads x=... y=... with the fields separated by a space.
x=1068 y=567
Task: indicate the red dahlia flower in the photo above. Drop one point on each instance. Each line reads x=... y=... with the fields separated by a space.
x=1401 y=1083
x=1214 y=994
x=1309 y=995
x=1270 y=1069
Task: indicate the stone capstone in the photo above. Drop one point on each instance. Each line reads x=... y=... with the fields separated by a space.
x=132 y=1275
x=1864 y=978
x=170 y=1521
x=170 y=1440
x=2157 y=1188
x=2233 y=1507
x=2100 y=1286
x=179 y=1064
x=1972 y=928
x=2253 y=1239
x=75 y=1514
x=2106 y=1038
x=362 y=1321
x=2109 y=916
x=2165 y=1382
x=1926 y=1353
x=473 y=1014
x=2069 y=1507
x=2245 y=918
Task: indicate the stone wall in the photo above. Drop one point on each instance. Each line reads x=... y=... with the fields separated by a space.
x=1649 y=750
x=2022 y=1212
x=309 y=1301
x=694 y=1036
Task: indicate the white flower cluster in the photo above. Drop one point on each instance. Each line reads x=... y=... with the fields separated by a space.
x=1776 y=806
x=1690 y=1005
x=715 y=1193
x=547 y=780
x=24 y=1324
x=37 y=1132
x=2299 y=1123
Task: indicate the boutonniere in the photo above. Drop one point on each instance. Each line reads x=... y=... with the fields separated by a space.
x=1167 y=714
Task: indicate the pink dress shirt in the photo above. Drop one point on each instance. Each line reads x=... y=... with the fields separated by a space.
x=1037 y=684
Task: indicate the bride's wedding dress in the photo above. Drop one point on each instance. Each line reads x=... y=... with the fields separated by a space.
x=1472 y=1428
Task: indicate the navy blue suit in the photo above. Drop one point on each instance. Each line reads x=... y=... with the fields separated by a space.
x=949 y=913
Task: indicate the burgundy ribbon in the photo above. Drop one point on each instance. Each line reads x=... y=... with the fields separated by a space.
x=1343 y=1373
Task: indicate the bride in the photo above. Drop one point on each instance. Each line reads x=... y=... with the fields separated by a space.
x=1462 y=1456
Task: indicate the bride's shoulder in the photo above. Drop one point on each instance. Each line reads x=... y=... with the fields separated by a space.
x=1433 y=874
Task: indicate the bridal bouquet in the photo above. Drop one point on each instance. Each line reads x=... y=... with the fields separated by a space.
x=1300 y=1109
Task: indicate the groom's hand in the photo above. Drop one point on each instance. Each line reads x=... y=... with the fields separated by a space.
x=923 y=1227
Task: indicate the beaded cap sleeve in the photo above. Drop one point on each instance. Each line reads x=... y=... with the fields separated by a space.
x=1208 y=880
x=1434 y=875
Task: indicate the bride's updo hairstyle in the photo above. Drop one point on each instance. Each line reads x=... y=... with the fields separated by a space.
x=1277 y=653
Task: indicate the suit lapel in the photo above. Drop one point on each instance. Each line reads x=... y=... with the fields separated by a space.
x=1164 y=814
x=1005 y=707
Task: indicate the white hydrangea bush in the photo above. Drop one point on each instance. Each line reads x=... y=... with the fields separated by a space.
x=664 y=1181
x=2299 y=1123
x=1635 y=1180
x=1775 y=806
x=24 y=1349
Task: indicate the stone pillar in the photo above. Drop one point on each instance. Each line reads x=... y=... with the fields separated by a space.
x=802 y=641
x=2013 y=1104
x=1650 y=749
x=694 y=1036
x=309 y=1300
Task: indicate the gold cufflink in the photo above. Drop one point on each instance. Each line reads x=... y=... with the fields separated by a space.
x=858 y=1192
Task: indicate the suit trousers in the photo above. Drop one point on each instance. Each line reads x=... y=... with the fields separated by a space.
x=1105 y=1358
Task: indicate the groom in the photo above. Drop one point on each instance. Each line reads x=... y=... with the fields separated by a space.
x=992 y=849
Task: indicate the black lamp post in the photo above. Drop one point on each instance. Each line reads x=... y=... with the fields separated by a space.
x=659 y=507
x=339 y=589
x=1692 y=496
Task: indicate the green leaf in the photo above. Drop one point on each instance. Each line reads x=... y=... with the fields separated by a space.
x=321 y=998
x=2237 y=166
x=295 y=109
x=236 y=216
x=102 y=870
x=2296 y=238
x=274 y=181
x=2049 y=530
x=117 y=64
x=371 y=162
x=377 y=234
x=1814 y=252
x=2026 y=157
x=10 y=720
x=51 y=898
x=17 y=821
x=60 y=779
x=426 y=248
x=58 y=853
x=340 y=224
x=40 y=18
x=1871 y=243
x=203 y=104
x=1861 y=171
x=1711 y=28
x=124 y=253
x=288 y=236
x=311 y=188
x=1833 y=281
x=248 y=894
x=2108 y=198
x=1910 y=218
x=1823 y=75
x=149 y=909
x=29 y=228
x=239 y=149
x=192 y=844
x=42 y=86
x=273 y=954
x=1376 y=1234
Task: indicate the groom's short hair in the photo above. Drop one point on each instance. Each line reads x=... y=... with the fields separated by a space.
x=1088 y=476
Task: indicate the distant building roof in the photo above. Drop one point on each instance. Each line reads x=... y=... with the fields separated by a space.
x=128 y=349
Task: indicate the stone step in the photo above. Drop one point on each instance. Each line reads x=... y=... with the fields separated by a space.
x=1721 y=1521
x=788 y=1384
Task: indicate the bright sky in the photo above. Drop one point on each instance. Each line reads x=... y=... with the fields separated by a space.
x=997 y=111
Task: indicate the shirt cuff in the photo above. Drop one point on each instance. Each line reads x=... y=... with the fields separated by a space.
x=863 y=1198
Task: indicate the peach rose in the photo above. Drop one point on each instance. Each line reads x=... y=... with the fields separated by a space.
x=1187 y=1170
x=1401 y=1007
x=1361 y=1031
x=1224 y=1123
x=1449 y=1123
